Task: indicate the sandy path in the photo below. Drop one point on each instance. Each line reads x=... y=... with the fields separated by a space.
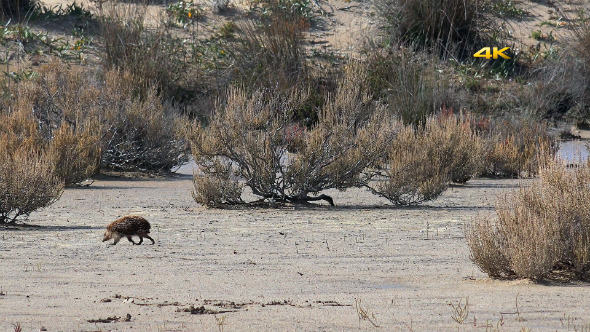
x=313 y=262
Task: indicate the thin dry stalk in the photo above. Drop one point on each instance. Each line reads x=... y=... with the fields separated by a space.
x=364 y=314
x=460 y=312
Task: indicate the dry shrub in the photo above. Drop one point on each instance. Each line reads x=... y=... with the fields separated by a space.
x=136 y=133
x=60 y=94
x=216 y=184
x=28 y=183
x=253 y=134
x=486 y=246
x=515 y=148
x=414 y=172
x=541 y=231
x=255 y=138
x=19 y=128
x=141 y=133
x=422 y=161
x=463 y=150
x=351 y=135
x=76 y=154
x=27 y=175
x=65 y=120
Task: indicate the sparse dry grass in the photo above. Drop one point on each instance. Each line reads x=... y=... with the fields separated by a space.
x=153 y=55
x=561 y=87
x=268 y=55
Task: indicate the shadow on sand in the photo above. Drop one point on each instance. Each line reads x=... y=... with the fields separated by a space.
x=30 y=227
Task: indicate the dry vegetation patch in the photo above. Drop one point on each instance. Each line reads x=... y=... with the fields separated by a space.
x=541 y=231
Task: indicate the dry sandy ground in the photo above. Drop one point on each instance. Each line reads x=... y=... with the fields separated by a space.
x=269 y=270
x=266 y=270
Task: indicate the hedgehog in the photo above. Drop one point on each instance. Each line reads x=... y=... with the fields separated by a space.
x=128 y=226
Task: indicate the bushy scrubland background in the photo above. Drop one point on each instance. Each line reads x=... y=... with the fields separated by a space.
x=257 y=107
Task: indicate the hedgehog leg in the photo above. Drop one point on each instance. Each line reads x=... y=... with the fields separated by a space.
x=117 y=238
x=153 y=242
x=131 y=240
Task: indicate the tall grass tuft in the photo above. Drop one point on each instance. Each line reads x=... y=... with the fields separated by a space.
x=16 y=9
x=449 y=27
x=269 y=55
x=151 y=53
x=561 y=87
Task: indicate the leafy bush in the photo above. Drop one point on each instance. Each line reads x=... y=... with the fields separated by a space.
x=541 y=231
x=290 y=10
